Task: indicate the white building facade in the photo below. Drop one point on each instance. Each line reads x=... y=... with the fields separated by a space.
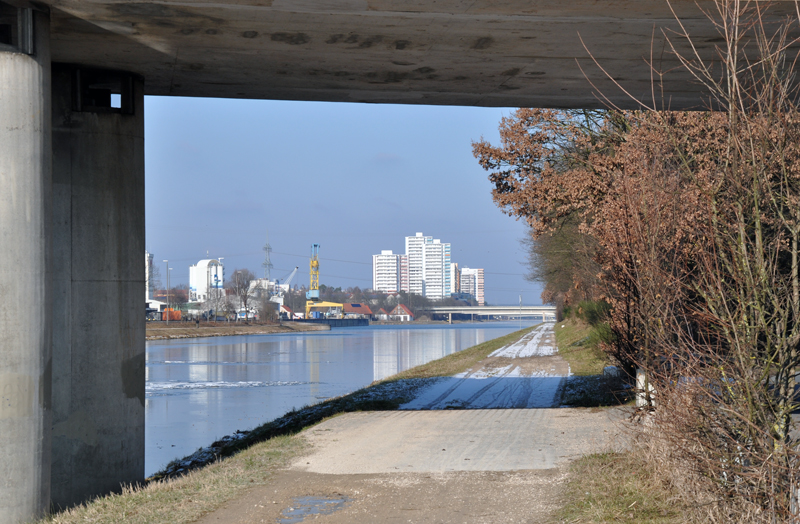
x=404 y=273
x=436 y=270
x=455 y=278
x=472 y=283
x=389 y=271
x=206 y=280
x=428 y=267
x=415 y=251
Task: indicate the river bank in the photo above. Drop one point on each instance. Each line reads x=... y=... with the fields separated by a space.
x=178 y=330
x=385 y=394
x=180 y=492
x=259 y=458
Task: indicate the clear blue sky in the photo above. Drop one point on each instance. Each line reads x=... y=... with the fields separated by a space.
x=355 y=178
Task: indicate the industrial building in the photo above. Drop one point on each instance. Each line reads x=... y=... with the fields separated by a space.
x=206 y=280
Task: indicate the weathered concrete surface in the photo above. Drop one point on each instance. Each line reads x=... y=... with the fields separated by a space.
x=98 y=324
x=458 y=440
x=485 y=53
x=25 y=302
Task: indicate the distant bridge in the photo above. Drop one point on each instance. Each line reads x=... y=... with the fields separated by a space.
x=546 y=312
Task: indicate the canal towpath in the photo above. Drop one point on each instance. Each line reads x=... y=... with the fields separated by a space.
x=485 y=445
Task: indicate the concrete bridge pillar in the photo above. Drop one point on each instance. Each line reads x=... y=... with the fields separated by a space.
x=98 y=282
x=25 y=300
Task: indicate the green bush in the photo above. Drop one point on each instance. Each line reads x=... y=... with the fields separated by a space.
x=566 y=312
x=601 y=333
x=593 y=312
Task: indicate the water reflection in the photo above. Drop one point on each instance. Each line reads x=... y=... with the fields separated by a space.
x=398 y=350
x=199 y=390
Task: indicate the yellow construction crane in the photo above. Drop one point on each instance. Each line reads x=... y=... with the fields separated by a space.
x=312 y=295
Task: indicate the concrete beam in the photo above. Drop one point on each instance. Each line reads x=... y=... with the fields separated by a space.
x=25 y=301
x=450 y=52
x=98 y=278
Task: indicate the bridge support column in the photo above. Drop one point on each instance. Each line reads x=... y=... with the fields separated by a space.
x=98 y=282
x=25 y=301
x=449 y=318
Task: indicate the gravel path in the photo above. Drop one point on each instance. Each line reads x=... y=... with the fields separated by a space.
x=443 y=457
x=459 y=440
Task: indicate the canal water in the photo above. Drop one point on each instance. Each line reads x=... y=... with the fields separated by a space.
x=201 y=389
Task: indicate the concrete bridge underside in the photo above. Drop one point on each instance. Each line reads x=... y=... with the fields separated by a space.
x=454 y=52
x=72 y=365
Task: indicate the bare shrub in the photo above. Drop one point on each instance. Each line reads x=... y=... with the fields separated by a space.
x=695 y=227
x=711 y=297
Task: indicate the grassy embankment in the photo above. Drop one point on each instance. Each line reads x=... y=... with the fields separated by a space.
x=196 y=485
x=579 y=344
x=620 y=488
x=613 y=486
x=187 y=498
x=164 y=331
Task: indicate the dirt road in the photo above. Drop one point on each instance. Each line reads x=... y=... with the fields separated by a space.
x=442 y=459
x=457 y=497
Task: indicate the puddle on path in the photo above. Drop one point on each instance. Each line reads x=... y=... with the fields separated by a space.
x=303 y=507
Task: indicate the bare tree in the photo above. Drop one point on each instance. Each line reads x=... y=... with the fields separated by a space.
x=242 y=284
x=154 y=282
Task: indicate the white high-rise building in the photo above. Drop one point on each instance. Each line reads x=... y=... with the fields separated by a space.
x=428 y=267
x=415 y=247
x=472 y=283
x=424 y=270
x=436 y=270
x=404 y=273
x=455 y=278
x=206 y=279
x=387 y=271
